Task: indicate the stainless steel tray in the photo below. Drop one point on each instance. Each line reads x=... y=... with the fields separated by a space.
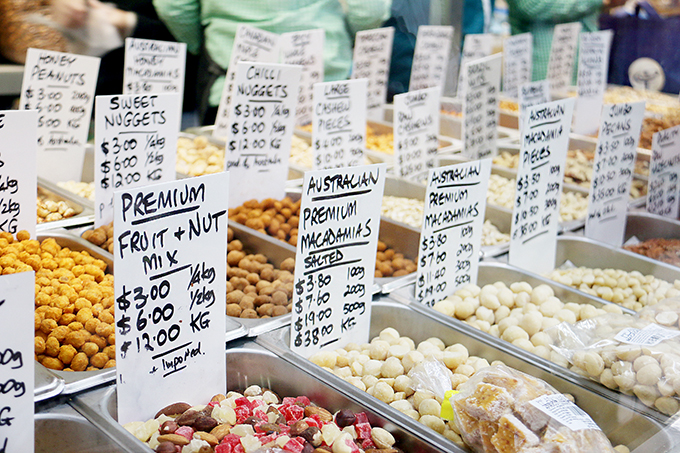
x=46 y=384
x=586 y=252
x=60 y=429
x=644 y=226
x=620 y=423
x=512 y=174
x=500 y=217
x=76 y=381
x=84 y=208
x=251 y=364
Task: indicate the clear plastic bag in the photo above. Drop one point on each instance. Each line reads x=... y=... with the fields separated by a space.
x=502 y=409
x=625 y=353
x=433 y=376
x=665 y=313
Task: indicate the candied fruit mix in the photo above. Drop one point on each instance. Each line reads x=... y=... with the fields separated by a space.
x=258 y=418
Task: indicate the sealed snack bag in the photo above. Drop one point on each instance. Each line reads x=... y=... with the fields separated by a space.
x=502 y=410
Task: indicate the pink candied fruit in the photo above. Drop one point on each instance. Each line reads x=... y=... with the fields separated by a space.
x=314 y=421
x=295 y=445
x=302 y=400
x=224 y=448
x=363 y=430
x=352 y=445
x=360 y=417
x=231 y=439
x=242 y=412
x=185 y=431
x=288 y=401
x=292 y=413
x=243 y=401
x=264 y=440
x=260 y=414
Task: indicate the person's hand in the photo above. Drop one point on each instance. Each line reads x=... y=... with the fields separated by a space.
x=70 y=13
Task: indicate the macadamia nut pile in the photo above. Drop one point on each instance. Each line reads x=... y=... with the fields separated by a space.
x=519 y=314
x=50 y=210
x=649 y=371
x=197 y=156
x=381 y=368
x=82 y=189
x=629 y=289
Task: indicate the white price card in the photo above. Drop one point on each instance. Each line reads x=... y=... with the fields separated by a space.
x=593 y=66
x=536 y=213
x=60 y=86
x=250 y=44
x=431 y=57
x=450 y=240
x=170 y=259
x=135 y=144
x=416 y=130
x=517 y=64
x=650 y=335
x=372 y=58
x=558 y=407
x=480 y=107
x=663 y=190
x=562 y=55
x=18 y=181
x=339 y=124
x=154 y=67
x=17 y=365
x=305 y=48
x=335 y=258
x=613 y=169
x=261 y=125
x=532 y=93
x=475 y=46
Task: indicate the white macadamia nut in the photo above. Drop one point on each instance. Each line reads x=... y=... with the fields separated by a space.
x=392 y=368
x=430 y=407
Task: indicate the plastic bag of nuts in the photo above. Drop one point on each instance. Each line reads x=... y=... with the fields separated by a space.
x=625 y=353
x=504 y=410
x=665 y=313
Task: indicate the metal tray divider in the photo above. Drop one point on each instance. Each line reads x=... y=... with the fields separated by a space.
x=49 y=391
x=273 y=341
x=617 y=255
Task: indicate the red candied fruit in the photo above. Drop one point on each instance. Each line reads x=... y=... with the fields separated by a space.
x=292 y=413
x=185 y=431
x=295 y=445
